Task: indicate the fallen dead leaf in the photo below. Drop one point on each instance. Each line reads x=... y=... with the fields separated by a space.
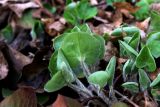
x=110 y=51
x=117 y=18
x=102 y=28
x=63 y=101
x=17 y=7
x=23 y=97
x=93 y=2
x=155 y=6
x=126 y=6
x=3 y=67
x=144 y=24
x=54 y=27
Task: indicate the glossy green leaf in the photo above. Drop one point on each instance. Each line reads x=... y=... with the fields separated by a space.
x=145 y=60
x=131 y=86
x=125 y=31
x=143 y=79
x=71 y=14
x=86 y=11
x=7 y=33
x=153 y=36
x=155 y=93
x=156 y=81
x=57 y=41
x=154 y=47
x=130 y=51
x=143 y=12
x=85 y=28
x=111 y=70
x=53 y=63
x=63 y=65
x=129 y=68
x=56 y=82
x=134 y=41
x=74 y=47
x=77 y=11
x=155 y=23
x=99 y=78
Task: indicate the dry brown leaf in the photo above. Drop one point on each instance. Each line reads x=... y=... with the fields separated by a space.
x=19 y=8
x=54 y=27
x=126 y=6
x=23 y=97
x=93 y=2
x=144 y=24
x=102 y=28
x=3 y=66
x=117 y=18
x=126 y=13
x=111 y=50
x=156 y=7
x=63 y=101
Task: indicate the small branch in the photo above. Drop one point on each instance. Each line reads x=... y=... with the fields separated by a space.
x=124 y=97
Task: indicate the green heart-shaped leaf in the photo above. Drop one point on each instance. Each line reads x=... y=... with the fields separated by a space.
x=52 y=63
x=143 y=79
x=57 y=82
x=131 y=86
x=154 y=47
x=128 y=31
x=130 y=51
x=99 y=78
x=134 y=42
x=145 y=60
x=81 y=46
x=63 y=65
x=156 y=81
x=111 y=70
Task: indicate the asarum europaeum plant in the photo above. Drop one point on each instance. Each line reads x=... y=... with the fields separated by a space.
x=141 y=55
x=79 y=50
x=76 y=52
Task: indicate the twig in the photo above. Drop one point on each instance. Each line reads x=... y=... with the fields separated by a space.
x=100 y=19
x=124 y=97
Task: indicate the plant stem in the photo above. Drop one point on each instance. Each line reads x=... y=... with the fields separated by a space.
x=85 y=69
x=124 y=97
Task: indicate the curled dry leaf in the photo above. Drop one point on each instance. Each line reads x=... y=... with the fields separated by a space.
x=126 y=6
x=63 y=101
x=110 y=51
x=93 y=2
x=156 y=7
x=102 y=28
x=144 y=24
x=19 y=8
x=3 y=66
x=23 y=97
x=54 y=27
x=117 y=18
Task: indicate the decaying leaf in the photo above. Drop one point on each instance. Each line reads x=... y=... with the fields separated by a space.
x=126 y=6
x=155 y=6
x=3 y=66
x=24 y=97
x=63 y=101
x=144 y=24
x=19 y=8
